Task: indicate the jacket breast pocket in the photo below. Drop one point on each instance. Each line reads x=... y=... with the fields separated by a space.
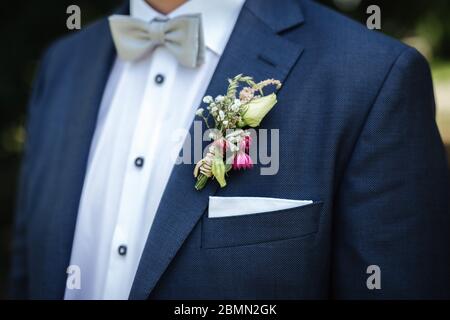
x=258 y=228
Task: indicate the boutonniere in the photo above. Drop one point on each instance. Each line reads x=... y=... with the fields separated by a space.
x=232 y=114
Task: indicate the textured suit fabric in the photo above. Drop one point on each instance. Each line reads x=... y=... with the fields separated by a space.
x=357 y=135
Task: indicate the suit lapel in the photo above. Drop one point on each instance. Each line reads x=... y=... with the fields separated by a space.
x=94 y=66
x=254 y=49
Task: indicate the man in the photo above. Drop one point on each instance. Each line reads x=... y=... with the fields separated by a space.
x=357 y=138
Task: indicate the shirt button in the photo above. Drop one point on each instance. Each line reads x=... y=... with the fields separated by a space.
x=159 y=79
x=122 y=250
x=139 y=162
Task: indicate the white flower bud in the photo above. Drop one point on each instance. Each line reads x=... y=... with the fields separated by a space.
x=199 y=112
x=219 y=98
x=208 y=99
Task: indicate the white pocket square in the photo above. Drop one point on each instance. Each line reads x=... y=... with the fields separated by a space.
x=220 y=207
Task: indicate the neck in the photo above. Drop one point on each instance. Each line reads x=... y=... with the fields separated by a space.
x=165 y=6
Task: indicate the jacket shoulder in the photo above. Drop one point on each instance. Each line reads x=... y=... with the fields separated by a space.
x=326 y=27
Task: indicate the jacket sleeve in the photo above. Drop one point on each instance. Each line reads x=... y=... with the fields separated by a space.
x=392 y=209
x=19 y=269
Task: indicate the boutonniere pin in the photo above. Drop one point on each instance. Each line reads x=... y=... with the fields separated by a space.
x=232 y=114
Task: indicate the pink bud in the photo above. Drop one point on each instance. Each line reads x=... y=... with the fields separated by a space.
x=242 y=161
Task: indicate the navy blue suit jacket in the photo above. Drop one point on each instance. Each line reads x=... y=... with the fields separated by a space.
x=357 y=134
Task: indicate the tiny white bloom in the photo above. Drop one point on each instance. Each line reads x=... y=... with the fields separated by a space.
x=219 y=98
x=234 y=108
x=237 y=102
x=221 y=115
x=235 y=133
x=225 y=122
x=208 y=99
x=214 y=109
x=199 y=112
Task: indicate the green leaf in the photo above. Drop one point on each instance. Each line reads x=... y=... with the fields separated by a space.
x=218 y=170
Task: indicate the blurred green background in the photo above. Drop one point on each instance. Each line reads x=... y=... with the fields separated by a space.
x=27 y=27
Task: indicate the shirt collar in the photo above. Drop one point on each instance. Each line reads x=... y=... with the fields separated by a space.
x=218 y=18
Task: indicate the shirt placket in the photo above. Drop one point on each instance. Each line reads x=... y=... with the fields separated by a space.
x=147 y=134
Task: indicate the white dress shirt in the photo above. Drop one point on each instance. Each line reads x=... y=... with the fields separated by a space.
x=131 y=156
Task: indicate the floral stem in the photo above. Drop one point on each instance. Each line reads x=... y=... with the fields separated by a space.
x=201 y=182
x=205 y=119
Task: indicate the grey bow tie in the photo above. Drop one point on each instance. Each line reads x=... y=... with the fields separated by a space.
x=182 y=35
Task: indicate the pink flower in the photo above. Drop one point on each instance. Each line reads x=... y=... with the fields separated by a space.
x=242 y=161
x=246 y=144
